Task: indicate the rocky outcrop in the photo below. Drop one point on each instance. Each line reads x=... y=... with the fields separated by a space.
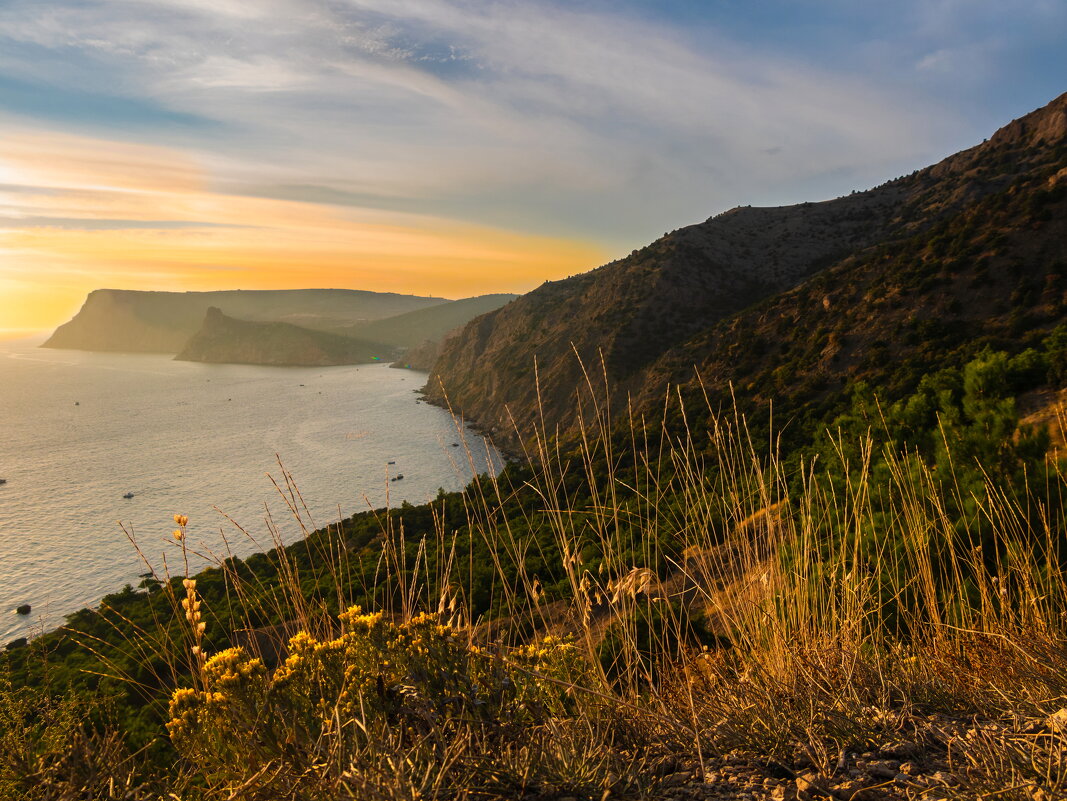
x=224 y=340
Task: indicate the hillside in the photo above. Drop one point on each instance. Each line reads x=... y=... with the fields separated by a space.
x=162 y=322
x=804 y=291
x=225 y=340
x=429 y=324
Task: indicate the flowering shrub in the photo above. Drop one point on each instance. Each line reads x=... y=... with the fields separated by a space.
x=417 y=676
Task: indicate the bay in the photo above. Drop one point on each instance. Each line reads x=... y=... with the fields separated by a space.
x=80 y=430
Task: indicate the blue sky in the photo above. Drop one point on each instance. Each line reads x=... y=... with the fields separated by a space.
x=599 y=122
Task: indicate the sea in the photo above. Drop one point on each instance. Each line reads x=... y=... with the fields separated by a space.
x=81 y=431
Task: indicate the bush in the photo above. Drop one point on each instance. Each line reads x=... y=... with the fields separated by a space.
x=309 y=718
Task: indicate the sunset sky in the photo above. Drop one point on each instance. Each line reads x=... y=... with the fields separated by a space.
x=458 y=148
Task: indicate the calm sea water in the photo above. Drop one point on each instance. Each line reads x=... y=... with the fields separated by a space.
x=80 y=430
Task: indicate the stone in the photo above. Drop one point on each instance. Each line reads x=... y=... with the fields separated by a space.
x=677 y=779
x=884 y=769
x=851 y=791
x=902 y=750
x=810 y=787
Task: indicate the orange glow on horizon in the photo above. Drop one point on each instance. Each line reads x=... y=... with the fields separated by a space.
x=83 y=219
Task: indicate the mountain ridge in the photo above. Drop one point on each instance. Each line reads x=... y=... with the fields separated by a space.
x=671 y=296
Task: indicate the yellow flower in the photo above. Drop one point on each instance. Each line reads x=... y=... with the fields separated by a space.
x=189 y=584
x=224 y=659
x=181 y=520
x=177 y=534
x=354 y=617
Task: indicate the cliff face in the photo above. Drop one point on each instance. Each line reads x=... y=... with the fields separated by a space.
x=162 y=322
x=224 y=340
x=113 y=320
x=671 y=300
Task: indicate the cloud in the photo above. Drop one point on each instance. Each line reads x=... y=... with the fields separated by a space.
x=17 y=223
x=77 y=213
x=548 y=115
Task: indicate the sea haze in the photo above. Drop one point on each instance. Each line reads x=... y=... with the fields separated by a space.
x=80 y=430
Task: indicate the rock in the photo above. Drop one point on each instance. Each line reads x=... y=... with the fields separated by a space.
x=851 y=790
x=677 y=779
x=810 y=787
x=24 y=609
x=884 y=769
x=900 y=750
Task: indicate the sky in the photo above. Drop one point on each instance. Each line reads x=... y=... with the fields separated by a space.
x=459 y=147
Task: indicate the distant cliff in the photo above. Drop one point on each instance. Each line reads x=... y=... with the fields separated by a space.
x=162 y=322
x=225 y=340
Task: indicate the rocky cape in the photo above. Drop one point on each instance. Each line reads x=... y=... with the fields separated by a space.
x=225 y=340
x=162 y=322
x=287 y=327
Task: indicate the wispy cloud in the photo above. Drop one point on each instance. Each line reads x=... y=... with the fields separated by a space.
x=77 y=213
x=458 y=102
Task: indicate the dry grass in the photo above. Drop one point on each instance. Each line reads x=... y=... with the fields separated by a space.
x=851 y=622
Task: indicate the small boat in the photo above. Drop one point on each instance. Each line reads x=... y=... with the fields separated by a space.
x=77 y=403
x=128 y=495
x=3 y=481
x=397 y=477
x=392 y=462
